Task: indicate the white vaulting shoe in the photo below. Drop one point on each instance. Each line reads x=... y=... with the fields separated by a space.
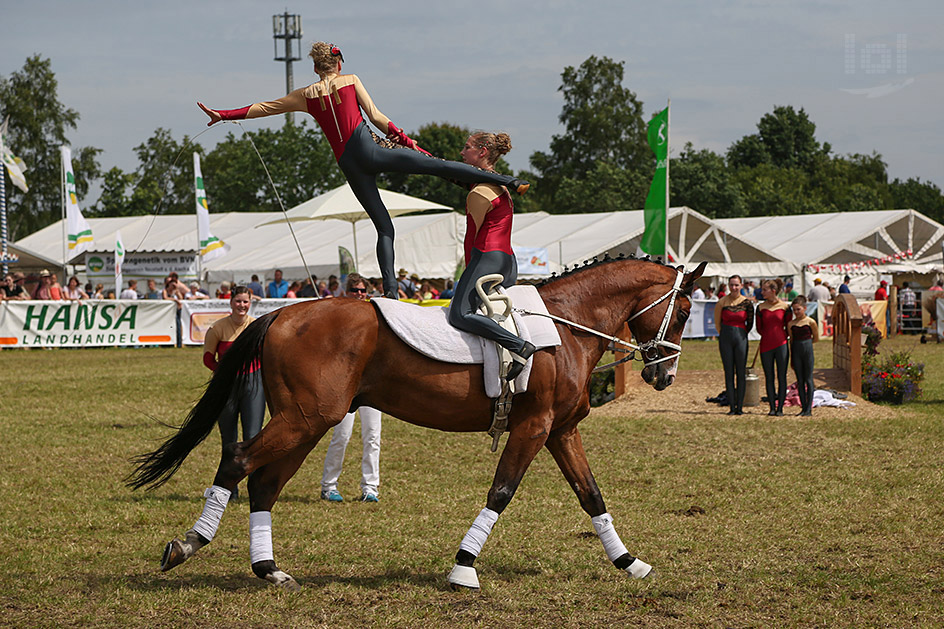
x=463 y=577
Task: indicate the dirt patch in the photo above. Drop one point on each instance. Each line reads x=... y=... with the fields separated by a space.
x=687 y=396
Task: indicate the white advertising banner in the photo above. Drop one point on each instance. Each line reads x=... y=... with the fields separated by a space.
x=100 y=267
x=107 y=323
x=196 y=316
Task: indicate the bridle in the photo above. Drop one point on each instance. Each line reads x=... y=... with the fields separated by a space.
x=644 y=349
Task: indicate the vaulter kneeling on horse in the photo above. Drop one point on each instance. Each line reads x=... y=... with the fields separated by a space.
x=489 y=211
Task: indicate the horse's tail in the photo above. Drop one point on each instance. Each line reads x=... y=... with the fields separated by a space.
x=155 y=468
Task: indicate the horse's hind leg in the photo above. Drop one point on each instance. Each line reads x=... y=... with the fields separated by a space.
x=265 y=485
x=237 y=460
x=567 y=449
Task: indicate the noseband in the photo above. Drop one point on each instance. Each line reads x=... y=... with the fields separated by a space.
x=658 y=341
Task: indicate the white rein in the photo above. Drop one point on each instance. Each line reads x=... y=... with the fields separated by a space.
x=645 y=348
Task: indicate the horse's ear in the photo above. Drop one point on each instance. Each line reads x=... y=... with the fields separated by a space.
x=690 y=278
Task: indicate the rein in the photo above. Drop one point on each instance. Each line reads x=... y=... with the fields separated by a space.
x=645 y=348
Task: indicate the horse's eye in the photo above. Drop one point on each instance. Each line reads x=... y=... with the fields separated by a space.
x=683 y=316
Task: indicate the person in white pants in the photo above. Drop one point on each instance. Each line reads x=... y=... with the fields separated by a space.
x=370 y=460
x=370 y=435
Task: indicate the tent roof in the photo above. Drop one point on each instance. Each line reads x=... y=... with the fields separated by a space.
x=844 y=237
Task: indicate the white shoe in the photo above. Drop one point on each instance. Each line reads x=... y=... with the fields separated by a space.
x=463 y=577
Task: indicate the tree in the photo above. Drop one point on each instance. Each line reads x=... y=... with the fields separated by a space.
x=702 y=181
x=37 y=128
x=607 y=188
x=298 y=158
x=785 y=138
x=603 y=122
x=914 y=194
x=771 y=191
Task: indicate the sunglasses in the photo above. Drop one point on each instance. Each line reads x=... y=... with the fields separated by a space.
x=358 y=290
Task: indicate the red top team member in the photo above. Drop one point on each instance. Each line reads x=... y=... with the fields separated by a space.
x=336 y=102
x=489 y=211
x=773 y=314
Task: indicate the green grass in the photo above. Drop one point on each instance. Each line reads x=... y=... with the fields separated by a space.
x=829 y=522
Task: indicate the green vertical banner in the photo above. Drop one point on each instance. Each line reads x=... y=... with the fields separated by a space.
x=657 y=201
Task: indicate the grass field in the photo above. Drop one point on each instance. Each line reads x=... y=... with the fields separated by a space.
x=834 y=522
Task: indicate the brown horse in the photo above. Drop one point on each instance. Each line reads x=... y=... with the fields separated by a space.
x=321 y=359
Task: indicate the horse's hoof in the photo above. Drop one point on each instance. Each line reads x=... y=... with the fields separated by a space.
x=174 y=554
x=283 y=580
x=639 y=569
x=463 y=577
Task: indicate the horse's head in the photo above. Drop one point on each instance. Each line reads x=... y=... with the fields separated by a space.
x=658 y=322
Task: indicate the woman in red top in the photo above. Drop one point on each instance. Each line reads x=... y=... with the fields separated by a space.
x=773 y=314
x=248 y=403
x=489 y=211
x=335 y=102
x=734 y=318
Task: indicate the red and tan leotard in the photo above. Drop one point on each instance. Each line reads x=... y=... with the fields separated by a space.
x=495 y=232
x=220 y=337
x=334 y=102
x=772 y=325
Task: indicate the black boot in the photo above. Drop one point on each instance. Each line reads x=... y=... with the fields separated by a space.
x=519 y=360
x=392 y=294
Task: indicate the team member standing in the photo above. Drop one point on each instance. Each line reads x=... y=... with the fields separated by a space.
x=248 y=403
x=734 y=318
x=370 y=435
x=772 y=316
x=336 y=102
x=803 y=333
x=489 y=211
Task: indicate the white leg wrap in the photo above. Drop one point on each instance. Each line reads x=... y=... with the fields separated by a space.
x=260 y=536
x=209 y=521
x=603 y=525
x=478 y=533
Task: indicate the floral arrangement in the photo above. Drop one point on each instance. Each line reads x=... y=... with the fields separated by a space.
x=895 y=380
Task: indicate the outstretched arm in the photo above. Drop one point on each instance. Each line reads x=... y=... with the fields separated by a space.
x=291 y=102
x=381 y=121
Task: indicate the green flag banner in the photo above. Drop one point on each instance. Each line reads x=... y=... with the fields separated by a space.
x=657 y=201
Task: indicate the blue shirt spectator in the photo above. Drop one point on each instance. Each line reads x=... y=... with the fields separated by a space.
x=278 y=287
x=255 y=287
x=844 y=287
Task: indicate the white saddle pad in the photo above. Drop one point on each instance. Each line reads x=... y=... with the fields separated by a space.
x=427 y=330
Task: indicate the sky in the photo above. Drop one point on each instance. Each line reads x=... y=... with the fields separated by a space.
x=869 y=74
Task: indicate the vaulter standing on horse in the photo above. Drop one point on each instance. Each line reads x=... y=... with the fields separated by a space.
x=336 y=102
x=489 y=211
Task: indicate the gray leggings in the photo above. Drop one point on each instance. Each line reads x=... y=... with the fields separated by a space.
x=249 y=404
x=777 y=357
x=463 y=312
x=363 y=159
x=803 y=368
x=732 y=343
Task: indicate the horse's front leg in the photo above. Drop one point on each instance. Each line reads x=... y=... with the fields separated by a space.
x=567 y=449
x=524 y=442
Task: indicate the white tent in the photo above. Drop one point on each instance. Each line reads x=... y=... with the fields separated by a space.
x=693 y=237
x=862 y=245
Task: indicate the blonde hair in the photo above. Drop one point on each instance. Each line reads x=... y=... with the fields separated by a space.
x=325 y=62
x=497 y=144
x=775 y=284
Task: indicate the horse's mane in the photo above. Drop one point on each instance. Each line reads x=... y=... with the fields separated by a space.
x=597 y=261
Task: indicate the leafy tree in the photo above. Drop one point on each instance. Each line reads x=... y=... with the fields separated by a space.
x=851 y=183
x=163 y=180
x=924 y=197
x=785 y=138
x=37 y=128
x=603 y=122
x=607 y=188
x=113 y=200
x=298 y=158
x=771 y=191
x=702 y=181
